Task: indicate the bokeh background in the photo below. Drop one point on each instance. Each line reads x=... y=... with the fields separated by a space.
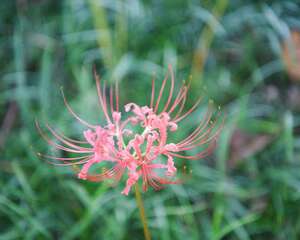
x=243 y=54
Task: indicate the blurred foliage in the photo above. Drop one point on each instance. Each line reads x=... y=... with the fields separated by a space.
x=232 y=49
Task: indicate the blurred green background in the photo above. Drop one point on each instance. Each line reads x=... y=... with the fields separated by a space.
x=243 y=54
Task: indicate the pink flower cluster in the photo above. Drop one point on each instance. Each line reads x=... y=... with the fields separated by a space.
x=144 y=154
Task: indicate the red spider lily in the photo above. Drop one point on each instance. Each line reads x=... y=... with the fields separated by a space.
x=142 y=155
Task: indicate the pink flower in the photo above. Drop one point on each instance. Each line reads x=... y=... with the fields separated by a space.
x=146 y=155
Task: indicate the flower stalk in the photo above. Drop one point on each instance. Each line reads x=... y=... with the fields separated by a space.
x=140 y=205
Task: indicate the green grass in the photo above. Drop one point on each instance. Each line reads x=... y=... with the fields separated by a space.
x=46 y=45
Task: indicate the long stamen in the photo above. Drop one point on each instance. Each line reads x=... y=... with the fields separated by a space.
x=70 y=139
x=152 y=92
x=181 y=94
x=100 y=98
x=104 y=99
x=111 y=101
x=182 y=101
x=62 y=158
x=171 y=89
x=201 y=154
x=203 y=124
x=117 y=96
x=196 y=142
x=50 y=142
x=106 y=174
x=55 y=134
x=161 y=92
x=69 y=164
x=74 y=114
x=189 y=111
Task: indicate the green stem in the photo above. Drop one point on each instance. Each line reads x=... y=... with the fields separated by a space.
x=140 y=205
